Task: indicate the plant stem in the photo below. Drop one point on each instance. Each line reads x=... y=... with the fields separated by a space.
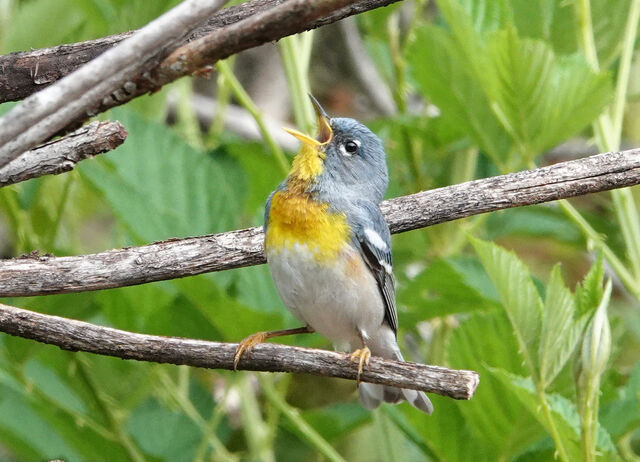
x=624 y=70
x=399 y=91
x=255 y=429
x=585 y=27
x=616 y=264
x=300 y=425
x=561 y=450
x=53 y=233
x=296 y=56
x=245 y=100
x=223 y=98
x=177 y=394
x=588 y=426
x=608 y=130
x=105 y=409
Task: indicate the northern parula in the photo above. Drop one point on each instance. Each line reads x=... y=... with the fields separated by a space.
x=329 y=249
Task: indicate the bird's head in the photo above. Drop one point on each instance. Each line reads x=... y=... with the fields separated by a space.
x=345 y=156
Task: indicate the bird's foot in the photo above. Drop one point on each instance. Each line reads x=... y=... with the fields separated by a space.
x=361 y=356
x=247 y=344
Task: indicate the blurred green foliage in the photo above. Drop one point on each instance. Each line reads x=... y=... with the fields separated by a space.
x=481 y=87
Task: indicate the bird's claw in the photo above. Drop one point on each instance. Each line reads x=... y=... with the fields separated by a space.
x=246 y=345
x=361 y=356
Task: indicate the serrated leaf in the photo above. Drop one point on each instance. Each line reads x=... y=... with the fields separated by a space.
x=560 y=330
x=541 y=99
x=589 y=293
x=510 y=94
x=486 y=16
x=563 y=412
x=444 y=74
x=518 y=295
x=554 y=22
x=494 y=415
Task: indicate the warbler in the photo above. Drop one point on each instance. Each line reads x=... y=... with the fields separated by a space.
x=329 y=249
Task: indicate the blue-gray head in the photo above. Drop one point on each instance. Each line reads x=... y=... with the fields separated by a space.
x=346 y=158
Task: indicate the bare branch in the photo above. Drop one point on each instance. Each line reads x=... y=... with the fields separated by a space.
x=142 y=76
x=24 y=73
x=62 y=155
x=42 y=115
x=41 y=275
x=75 y=335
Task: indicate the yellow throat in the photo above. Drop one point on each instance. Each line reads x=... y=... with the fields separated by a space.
x=295 y=217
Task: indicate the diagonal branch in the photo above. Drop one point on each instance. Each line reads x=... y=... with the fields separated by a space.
x=62 y=155
x=75 y=335
x=24 y=73
x=45 y=113
x=175 y=258
x=92 y=89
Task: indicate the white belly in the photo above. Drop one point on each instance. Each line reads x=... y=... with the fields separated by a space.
x=337 y=300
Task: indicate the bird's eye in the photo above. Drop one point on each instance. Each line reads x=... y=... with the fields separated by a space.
x=351 y=147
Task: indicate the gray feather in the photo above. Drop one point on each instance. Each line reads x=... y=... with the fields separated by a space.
x=378 y=258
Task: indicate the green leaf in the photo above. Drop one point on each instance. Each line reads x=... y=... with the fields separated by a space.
x=540 y=99
x=28 y=429
x=621 y=415
x=232 y=319
x=518 y=295
x=335 y=421
x=560 y=330
x=511 y=95
x=54 y=387
x=589 y=293
x=164 y=433
x=440 y=290
x=41 y=23
x=486 y=16
x=160 y=187
x=563 y=413
x=537 y=221
x=445 y=75
x=494 y=415
x=447 y=433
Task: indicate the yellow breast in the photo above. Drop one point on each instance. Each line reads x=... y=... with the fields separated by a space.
x=295 y=218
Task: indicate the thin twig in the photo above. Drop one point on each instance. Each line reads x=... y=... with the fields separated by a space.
x=73 y=335
x=24 y=73
x=42 y=115
x=175 y=258
x=142 y=76
x=63 y=154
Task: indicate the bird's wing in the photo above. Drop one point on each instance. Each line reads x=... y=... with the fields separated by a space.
x=374 y=240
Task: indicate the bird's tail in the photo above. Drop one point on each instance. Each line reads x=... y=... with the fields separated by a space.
x=371 y=395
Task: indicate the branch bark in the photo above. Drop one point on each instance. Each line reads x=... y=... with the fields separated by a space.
x=19 y=132
x=175 y=258
x=62 y=155
x=42 y=115
x=75 y=335
x=24 y=73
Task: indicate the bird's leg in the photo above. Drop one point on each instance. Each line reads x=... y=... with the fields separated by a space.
x=361 y=356
x=248 y=343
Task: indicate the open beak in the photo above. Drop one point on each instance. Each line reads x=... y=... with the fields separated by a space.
x=324 y=128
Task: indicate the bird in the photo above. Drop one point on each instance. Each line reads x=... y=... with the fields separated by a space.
x=328 y=249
